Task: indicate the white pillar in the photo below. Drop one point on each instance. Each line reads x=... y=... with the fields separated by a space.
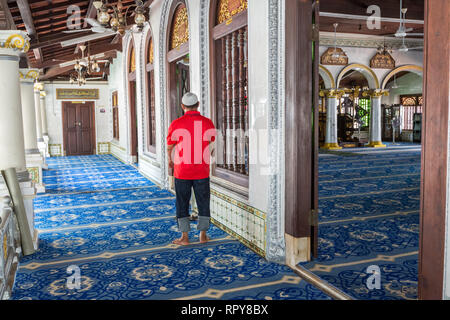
x=331 y=138
x=37 y=104
x=44 y=122
x=40 y=137
x=12 y=145
x=34 y=159
x=375 y=123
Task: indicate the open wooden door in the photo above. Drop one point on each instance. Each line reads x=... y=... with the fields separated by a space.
x=301 y=184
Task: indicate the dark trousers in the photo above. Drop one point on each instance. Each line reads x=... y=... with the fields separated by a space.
x=183 y=189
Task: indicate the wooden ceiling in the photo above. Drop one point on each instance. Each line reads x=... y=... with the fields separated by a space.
x=46 y=20
x=388 y=9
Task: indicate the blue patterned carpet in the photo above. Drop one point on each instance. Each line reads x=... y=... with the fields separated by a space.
x=369 y=216
x=117 y=227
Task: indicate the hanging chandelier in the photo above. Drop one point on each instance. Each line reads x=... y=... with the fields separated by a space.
x=83 y=68
x=117 y=20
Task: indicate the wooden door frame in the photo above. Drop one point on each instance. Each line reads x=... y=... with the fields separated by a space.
x=91 y=105
x=435 y=138
x=433 y=195
x=299 y=173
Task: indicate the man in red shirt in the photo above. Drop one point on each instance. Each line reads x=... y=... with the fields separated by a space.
x=188 y=141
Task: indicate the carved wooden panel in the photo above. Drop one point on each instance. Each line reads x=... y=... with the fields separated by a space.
x=408 y=101
x=226 y=9
x=180 y=27
x=334 y=57
x=382 y=60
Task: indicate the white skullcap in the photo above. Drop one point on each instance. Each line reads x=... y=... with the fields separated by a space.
x=189 y=99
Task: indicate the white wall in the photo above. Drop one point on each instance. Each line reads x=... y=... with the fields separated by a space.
x=103 y=126
x=410 y=83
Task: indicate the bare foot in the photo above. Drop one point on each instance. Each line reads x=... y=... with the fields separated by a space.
x=204 y=238
x=181 y=242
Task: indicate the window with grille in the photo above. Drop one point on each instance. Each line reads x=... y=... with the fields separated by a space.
x=151 y=121
x=231 y=95
x=411 y=104
x=115 y=111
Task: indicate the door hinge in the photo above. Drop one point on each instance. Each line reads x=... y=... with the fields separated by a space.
x=314 y=217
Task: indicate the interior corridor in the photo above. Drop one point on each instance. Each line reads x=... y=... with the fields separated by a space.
x=105 y=218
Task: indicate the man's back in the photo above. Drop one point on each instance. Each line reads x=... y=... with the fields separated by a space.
x=192 y=135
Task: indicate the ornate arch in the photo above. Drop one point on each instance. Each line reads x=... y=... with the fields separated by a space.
x=131 y=96
x=179 y=25
x=168 y=7
x=368 y=73
x=327 y=77
x=412 y=68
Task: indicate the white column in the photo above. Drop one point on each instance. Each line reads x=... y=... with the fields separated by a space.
x=12 y=145
x=44 y=122
x=375 y=123
x=40 y=137
x=37 y=104
x=331 y=139
x=33 y=157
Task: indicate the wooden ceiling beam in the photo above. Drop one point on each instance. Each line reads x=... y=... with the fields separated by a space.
x=7 y=16
x=27 y=18
x=58 y=7
x=53 y=39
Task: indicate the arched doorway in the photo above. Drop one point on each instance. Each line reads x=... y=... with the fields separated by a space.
x=403 y=108
x=178 y=58
x=131 y=79
x=354 y=110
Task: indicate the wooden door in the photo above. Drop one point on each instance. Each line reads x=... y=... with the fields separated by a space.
x=79 y=128
x=133 y=119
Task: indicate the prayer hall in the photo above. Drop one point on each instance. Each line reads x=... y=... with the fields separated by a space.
x=328 y=169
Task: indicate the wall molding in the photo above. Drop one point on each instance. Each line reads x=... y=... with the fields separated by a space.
x=275 y=243
x=204 y=57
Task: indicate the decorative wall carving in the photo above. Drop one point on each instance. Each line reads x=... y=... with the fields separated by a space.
x=334 y=56
x=180 y=27
x=275 y=243
x=327 y=39
x=204 y=57
x=229 y=8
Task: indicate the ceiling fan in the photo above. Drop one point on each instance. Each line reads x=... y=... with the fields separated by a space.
x=402 y=31
x=405 y=48
x=96 y=27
